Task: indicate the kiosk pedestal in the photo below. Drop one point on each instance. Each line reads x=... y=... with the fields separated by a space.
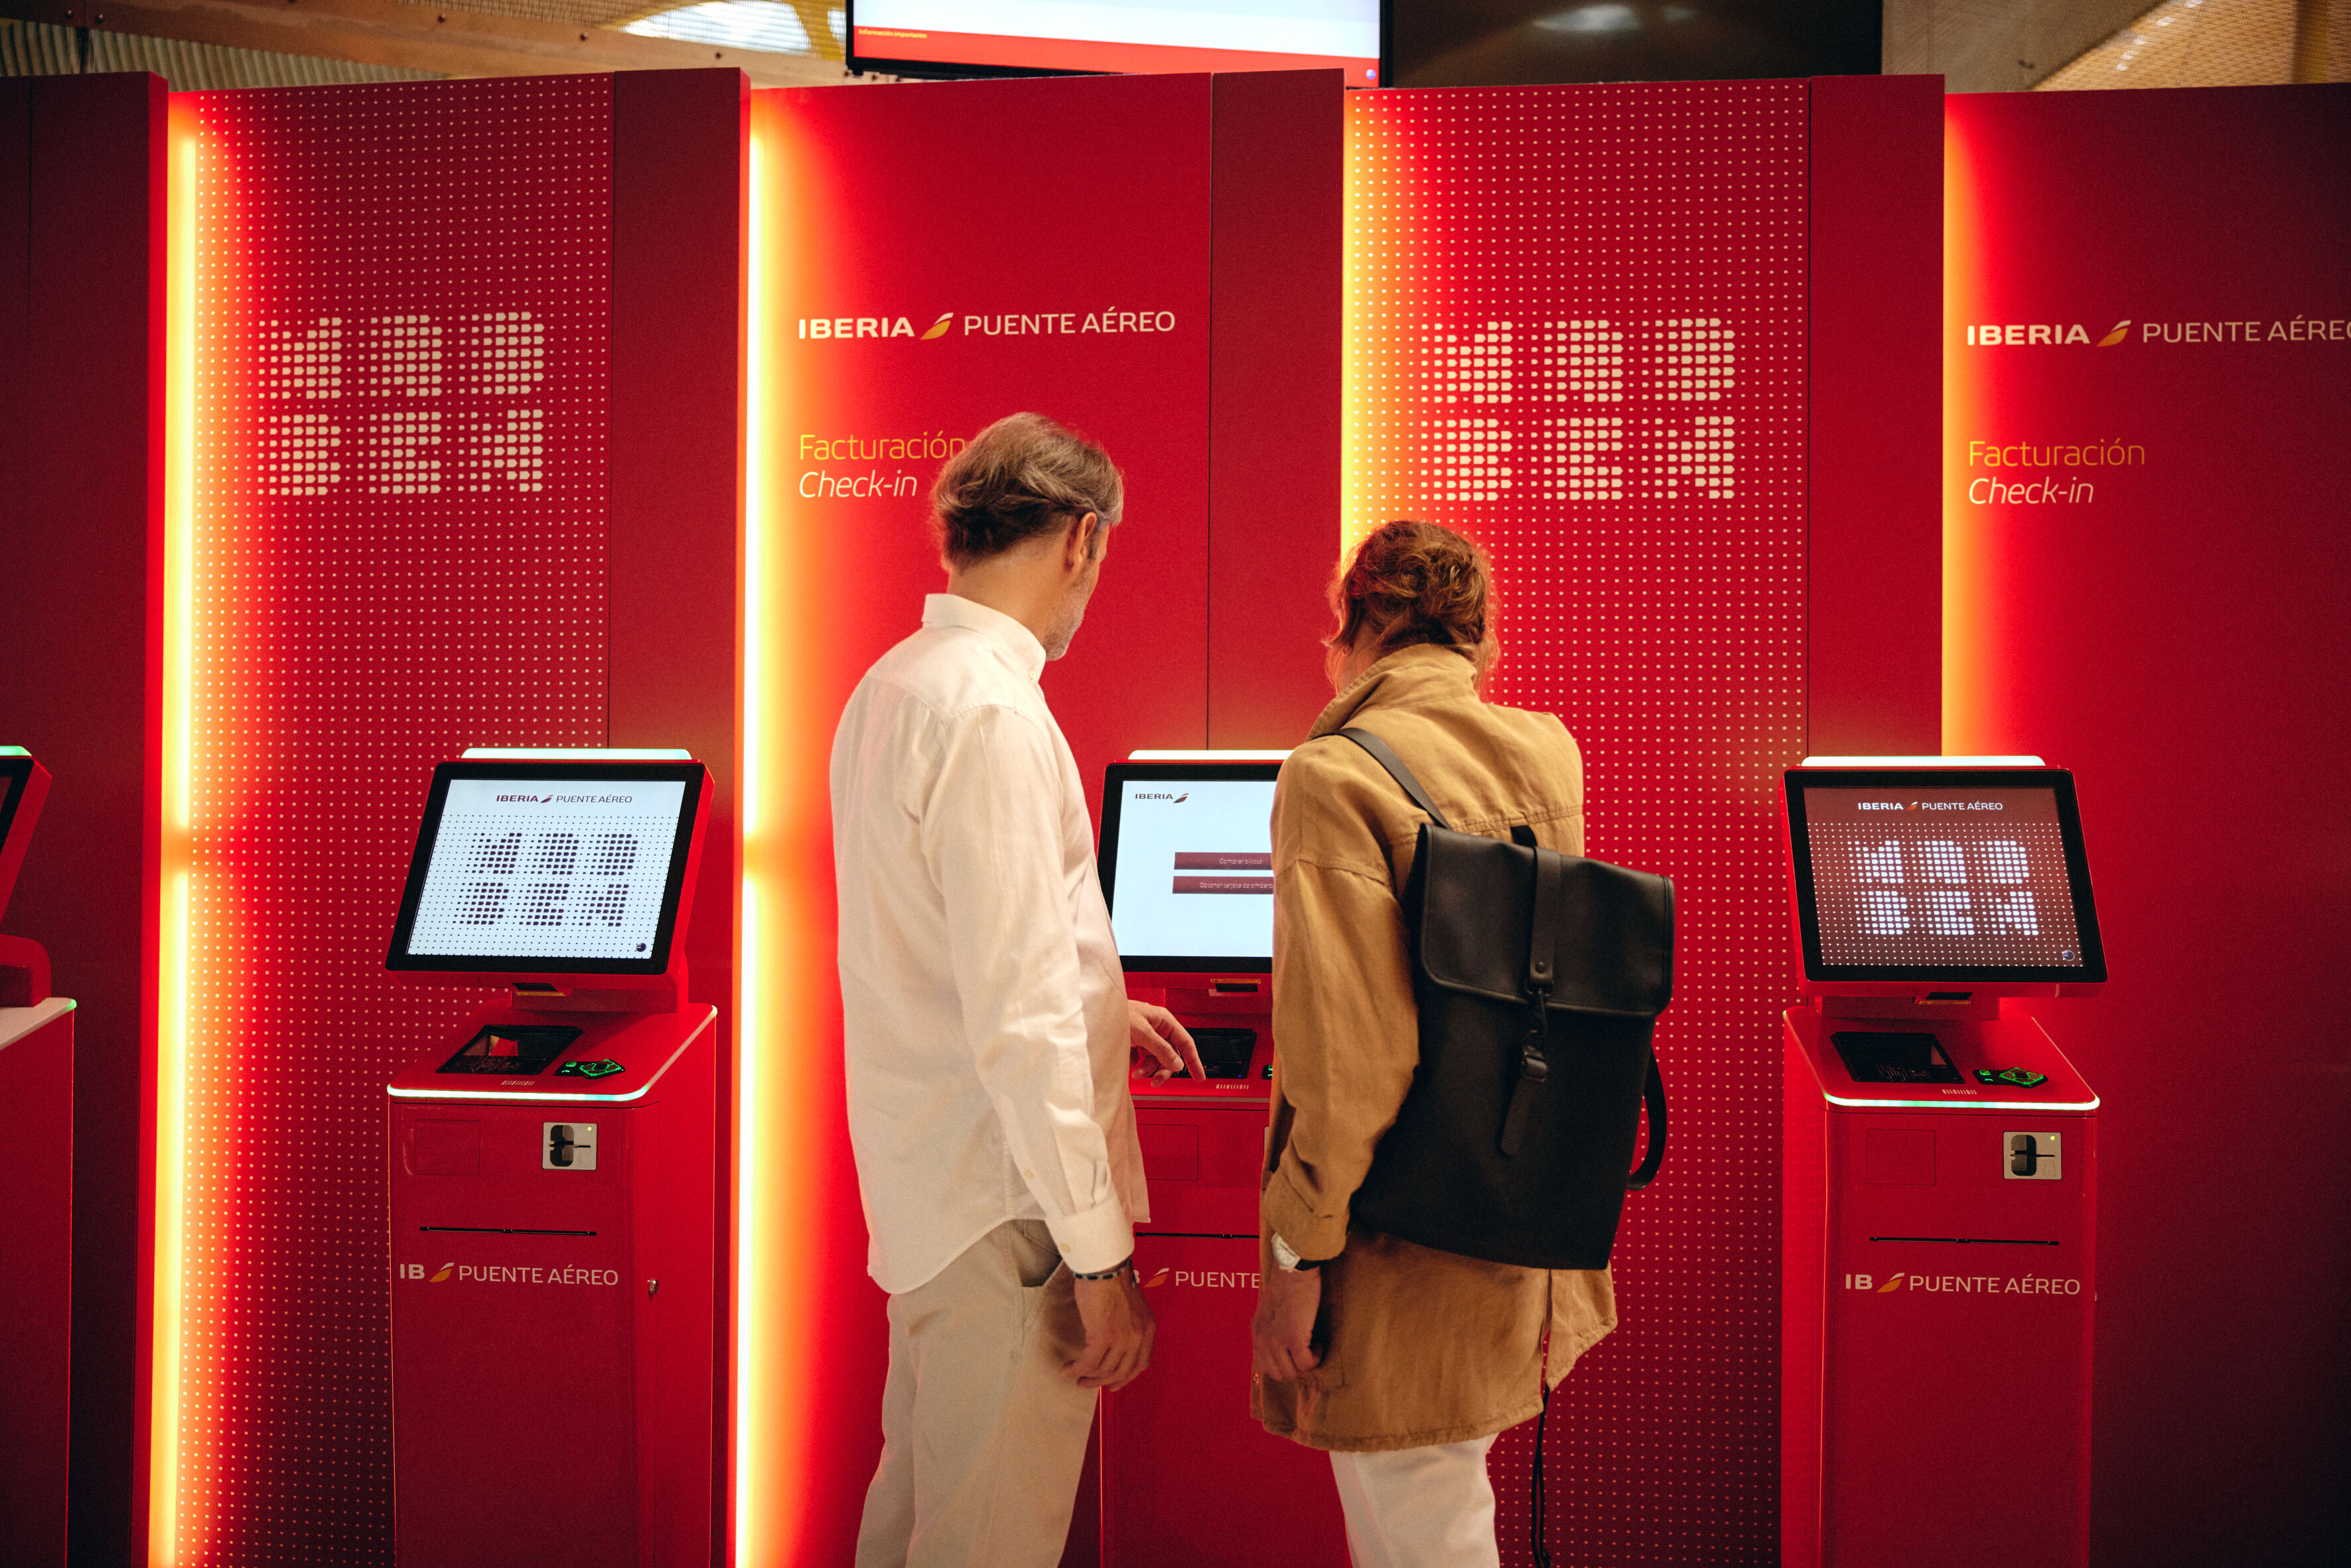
x=554 y=1177
x=552 y=1277
x=36 y=1064
x=1940 y=1169
x=1182 y=1431
x=1187 y=1476
x=37 y=1085
x=1941 y=1268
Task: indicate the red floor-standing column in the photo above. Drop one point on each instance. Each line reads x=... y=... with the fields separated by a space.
x=36 y=1061
x=1937 y=1309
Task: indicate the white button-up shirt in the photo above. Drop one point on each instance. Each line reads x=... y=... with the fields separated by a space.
x=983 y=1005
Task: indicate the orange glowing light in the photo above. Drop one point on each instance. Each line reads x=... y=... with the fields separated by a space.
x=784 y=962
x=1966 y=606
x=175 y=868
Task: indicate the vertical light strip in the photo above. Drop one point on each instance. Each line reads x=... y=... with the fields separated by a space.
x=1967 y=724
x=173 y=873
x=749 y=1036
x=784 y=1126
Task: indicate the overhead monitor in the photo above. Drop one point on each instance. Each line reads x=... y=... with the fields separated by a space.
x=23 y=785
x=1941 y=876
x=1028 y=37
x=530 y=866
x=1187 y=865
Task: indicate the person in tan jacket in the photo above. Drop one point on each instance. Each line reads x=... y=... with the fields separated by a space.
x=1401 y=1361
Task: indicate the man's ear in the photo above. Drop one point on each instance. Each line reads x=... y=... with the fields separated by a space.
x=1078 y=543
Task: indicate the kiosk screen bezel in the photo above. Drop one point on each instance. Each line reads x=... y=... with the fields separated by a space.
x=1116 y=778
x=16 y=772
x=2092 y=970
x=529 y=771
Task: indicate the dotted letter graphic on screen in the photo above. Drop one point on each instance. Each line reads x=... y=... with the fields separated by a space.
x=548 y=871
x=1576 y=333
x=1975 y=881
x=397 y=552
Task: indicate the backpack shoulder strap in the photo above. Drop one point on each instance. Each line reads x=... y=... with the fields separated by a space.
x=1397 y=771
x=1653 y=1094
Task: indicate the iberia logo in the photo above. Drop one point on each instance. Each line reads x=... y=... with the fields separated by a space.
x=874 y=327
x=1896 y=1283
x=444 y=1274
x=2041 y=334
x=1156 y=1280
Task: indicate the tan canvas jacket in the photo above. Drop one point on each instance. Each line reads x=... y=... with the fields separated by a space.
x=1418 y=1346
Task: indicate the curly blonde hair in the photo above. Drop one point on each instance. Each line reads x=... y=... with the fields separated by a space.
x=1413 y=583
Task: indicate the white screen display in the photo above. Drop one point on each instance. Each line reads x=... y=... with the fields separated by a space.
x=553 y=869
x=1194 y=876
x=1337 y=28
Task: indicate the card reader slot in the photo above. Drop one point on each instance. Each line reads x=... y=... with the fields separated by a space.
x=1225 y=1052
x=1970 y=1241
x=517 y=1050
x=1887 y=1056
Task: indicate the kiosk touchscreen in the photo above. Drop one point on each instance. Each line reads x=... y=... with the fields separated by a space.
x=1186 y=860
x=553 y=1169
x=1927 y=882
x=1940 y=1167
x=1187 y=871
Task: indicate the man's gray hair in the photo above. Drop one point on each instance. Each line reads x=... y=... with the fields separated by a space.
x=1021 y=477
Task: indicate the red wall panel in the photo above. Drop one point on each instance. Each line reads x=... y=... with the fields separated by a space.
x=1577 y=333
x=1874 y=553
x=81 y=236
x=676 y=503
x=1276 y=225
x=2171 y=626
x=1093 y=307
x=842 y=578
x=398 y=546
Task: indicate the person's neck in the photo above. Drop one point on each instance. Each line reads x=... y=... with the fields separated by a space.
x=1022 y=595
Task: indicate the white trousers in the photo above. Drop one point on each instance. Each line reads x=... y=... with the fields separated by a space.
x=982 y=1437
x=1419 y=1508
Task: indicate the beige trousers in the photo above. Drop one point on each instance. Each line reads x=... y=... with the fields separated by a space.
x=1418 y=1507
x=982 y=1437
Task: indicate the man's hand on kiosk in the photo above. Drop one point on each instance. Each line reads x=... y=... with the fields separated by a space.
x=1282 y=1334
x=1118 y=1331
x=1161 y=1046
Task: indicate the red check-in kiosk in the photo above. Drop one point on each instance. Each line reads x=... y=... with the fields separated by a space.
x=553 y=1205
x=1188 y=869
x=1940 y=1167
x=36 y=1067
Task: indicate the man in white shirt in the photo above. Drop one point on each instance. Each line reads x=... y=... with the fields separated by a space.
x=988 y=1030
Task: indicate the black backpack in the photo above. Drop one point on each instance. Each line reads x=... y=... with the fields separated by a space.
x=1539 y=978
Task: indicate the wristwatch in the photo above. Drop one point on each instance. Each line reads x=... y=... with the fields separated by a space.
x=1123 y=1267
x=1286 y=1258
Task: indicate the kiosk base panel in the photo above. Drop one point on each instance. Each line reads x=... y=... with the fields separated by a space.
x=553 y=1323
x=37 y=1063
x=1939 y=1289
x=1188 y=1476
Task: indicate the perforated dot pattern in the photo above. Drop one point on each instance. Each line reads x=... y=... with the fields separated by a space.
x=1469 y=459
x=1471 y=367
x=399 y=551
x=1587 y=362
x=1605 y=248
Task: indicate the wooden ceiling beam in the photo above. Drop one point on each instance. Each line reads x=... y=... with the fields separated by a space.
x=418 y=37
